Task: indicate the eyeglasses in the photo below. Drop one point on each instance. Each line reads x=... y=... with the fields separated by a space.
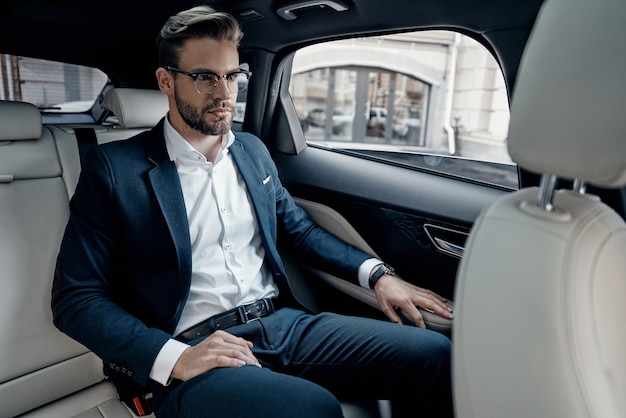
x=206 y=83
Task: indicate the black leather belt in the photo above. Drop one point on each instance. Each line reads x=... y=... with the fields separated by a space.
x=236 y=316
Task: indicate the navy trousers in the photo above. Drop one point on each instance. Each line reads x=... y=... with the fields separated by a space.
x=311 y=361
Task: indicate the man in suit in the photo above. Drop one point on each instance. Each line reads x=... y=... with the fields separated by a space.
x=169 y=269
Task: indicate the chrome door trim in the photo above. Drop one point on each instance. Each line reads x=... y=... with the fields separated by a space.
x=446 y=240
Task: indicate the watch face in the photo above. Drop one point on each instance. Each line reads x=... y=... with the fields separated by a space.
x=388 y=269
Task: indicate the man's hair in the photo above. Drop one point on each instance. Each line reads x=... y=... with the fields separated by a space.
x=197 y=22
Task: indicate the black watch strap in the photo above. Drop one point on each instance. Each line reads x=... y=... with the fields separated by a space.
x=379 y=272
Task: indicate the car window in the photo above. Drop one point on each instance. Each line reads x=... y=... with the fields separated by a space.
x=435 y=100
x=53 y=87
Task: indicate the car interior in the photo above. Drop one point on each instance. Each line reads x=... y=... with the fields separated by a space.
x=532 y=265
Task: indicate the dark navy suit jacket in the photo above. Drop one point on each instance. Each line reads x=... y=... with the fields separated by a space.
x=124 y=269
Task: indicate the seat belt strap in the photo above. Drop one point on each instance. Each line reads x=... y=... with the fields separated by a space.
x=86 y=139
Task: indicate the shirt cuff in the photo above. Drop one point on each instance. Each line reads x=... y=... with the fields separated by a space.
x=365 y=269
x=165 y=361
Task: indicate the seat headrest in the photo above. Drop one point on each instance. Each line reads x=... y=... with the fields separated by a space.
x=567 y=112
x=136 y=108
x=19 y=121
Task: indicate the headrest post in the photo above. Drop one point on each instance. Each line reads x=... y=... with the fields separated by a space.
x=547 y=186
x=580 y=186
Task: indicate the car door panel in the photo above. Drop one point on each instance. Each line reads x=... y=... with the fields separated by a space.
x=401 y=215
x=334 y=222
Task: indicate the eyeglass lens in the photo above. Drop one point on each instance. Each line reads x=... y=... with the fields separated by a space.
x=236 y=83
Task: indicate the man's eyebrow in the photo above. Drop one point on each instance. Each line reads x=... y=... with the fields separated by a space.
x=207 y=70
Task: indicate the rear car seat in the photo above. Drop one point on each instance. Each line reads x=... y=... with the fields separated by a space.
x=43 y=373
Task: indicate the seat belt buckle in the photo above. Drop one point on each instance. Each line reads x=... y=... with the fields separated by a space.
x=141 y=405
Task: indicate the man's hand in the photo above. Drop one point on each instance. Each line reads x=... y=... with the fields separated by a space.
x=394 y=293
x=219 y=349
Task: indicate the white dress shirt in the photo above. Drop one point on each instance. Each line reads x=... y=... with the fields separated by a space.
x=226 y=251
x=227 y=254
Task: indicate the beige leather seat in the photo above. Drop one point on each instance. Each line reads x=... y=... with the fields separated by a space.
x=541 y=295
x=136 y=109
x=42 y=372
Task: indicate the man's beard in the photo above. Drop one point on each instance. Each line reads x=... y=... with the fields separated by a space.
x=196 y=120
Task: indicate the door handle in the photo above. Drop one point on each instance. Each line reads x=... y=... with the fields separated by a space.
x=446 y=240
x=450 y=248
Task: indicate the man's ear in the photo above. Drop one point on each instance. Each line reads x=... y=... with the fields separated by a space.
x=165 y=80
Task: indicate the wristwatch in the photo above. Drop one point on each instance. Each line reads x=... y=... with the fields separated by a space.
x=380 y=271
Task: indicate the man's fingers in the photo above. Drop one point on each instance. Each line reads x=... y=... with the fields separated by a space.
x=231 y=346
x=414 y=314
x=409 y=311
x=229 y=338
x=391 y=313
x=220 y=349
x=234 y=358
x=435 y=306
x=432 y=302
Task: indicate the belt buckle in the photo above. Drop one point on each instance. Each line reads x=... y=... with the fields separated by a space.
x=243 y=311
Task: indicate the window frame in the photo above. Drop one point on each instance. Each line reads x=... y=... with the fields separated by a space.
x=509 y=170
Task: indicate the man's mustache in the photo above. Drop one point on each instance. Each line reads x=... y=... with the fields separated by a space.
x=220 y=106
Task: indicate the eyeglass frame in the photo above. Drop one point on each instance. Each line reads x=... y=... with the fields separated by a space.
x=194 y=77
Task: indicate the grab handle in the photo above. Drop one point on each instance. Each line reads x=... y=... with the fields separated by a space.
x=287 y=11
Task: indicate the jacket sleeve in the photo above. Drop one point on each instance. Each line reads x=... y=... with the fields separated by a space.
x=313 y=244
x=83 y=301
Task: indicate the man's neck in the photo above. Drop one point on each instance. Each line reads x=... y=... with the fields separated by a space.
x=209 y=146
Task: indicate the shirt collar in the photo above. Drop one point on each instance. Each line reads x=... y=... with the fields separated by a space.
x=177 y=146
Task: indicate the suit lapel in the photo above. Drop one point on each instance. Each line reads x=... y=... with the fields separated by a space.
x=259 y=183
x=166 y=185
x=256 y=189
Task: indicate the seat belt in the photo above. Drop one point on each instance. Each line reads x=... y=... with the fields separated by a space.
x=86 y=139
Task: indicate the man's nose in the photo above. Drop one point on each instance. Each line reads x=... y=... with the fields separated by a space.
x=222 y=92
